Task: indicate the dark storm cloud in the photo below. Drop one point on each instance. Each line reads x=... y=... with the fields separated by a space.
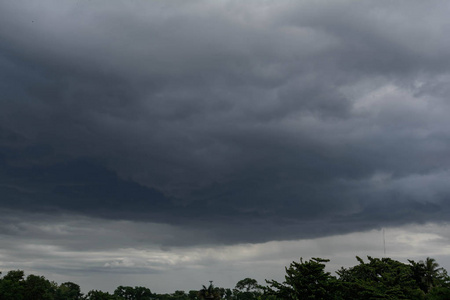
x=260 y=121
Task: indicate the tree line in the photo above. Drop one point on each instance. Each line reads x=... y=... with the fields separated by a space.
x=376 y=278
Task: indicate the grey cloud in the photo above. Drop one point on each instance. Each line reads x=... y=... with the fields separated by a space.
x=271 y=118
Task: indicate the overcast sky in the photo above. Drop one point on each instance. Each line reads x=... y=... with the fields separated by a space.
x=168 y=143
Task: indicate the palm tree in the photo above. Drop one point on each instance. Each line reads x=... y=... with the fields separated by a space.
x=432 y=271
x=418 y=274
x=209 y=292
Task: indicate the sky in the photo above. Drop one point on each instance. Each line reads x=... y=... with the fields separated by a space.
x=169 y=143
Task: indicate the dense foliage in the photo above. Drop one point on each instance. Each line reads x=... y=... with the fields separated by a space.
x=378 y=278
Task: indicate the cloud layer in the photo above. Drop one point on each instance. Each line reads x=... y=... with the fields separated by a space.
x=225 y=122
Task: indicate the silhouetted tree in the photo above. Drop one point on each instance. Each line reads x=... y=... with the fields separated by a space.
x=209 y=293
x=12 y=286
x=304 y=280
x=247 y=289
x=68 y=291
x=133 y=293
x=39 y=288
x=432 y=272
x=378 y=279
x=100 y=295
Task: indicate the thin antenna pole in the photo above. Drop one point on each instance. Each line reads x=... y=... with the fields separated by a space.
x=384 y=243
